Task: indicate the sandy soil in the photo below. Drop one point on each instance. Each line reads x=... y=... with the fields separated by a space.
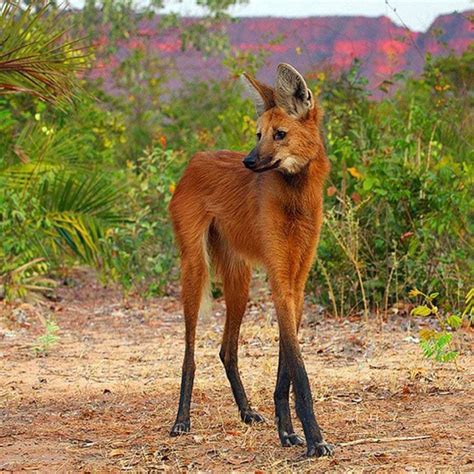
x=104 y=397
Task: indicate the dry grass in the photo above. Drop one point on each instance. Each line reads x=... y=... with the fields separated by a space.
x=105 y=397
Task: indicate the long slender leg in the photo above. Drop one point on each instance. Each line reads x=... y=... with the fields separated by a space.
x=193 y=276
x=286 y=432
x=236 y=289
x=286 y=304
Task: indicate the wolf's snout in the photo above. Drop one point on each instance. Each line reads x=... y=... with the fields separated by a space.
x=250 y=162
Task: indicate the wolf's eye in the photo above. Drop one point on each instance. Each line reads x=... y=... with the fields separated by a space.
x=280 y=135
x=259 y=136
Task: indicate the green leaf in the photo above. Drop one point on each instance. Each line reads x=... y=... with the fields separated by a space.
x=436 y=347
x=368 y=183
x=81 y=209
x=421 y=311
x=454 y=321
x=447 y=356
x=444 y=339
x=428 y=348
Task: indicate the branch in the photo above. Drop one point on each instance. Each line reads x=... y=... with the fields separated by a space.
x=382 y=440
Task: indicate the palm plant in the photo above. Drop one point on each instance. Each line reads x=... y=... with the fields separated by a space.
x=51 y=205
x=35 y=58
x=57 y=218
x=81 y=211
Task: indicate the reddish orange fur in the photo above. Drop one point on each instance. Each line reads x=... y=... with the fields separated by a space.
x=241 y=218
x=251 y=211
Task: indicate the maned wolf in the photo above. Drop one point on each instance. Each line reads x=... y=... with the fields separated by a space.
x=231 y=211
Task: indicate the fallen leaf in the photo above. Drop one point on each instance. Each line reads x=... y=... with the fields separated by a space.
x=116 y=452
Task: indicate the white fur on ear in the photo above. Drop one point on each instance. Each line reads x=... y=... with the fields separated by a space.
x=256 y=98
x=291 y=92
x=263 y=95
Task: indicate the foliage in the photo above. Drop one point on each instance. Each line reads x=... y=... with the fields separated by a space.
x=398 y=190
x=144 y=247
x=26 y=281
x=469 y=306
x=50 y=208
x=120 y=31
x=48 y=339
x=436 y=347
x=54 y=205
x=192 y=128
x=33 y=60
x=60 y=217
x=436 y=344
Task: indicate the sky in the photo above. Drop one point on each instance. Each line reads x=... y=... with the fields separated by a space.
x=416 y=14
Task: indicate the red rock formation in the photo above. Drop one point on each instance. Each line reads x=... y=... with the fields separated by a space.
x=382 y=46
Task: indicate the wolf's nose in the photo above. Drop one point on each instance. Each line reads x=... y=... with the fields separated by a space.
x=250 y=162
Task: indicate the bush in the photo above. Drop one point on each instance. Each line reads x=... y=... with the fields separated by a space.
x=397 y=198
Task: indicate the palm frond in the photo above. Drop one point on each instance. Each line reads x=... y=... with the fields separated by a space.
x=35 y=57
x=92 y=195
x=25 y=281
x=41 y=151
x=81 y=210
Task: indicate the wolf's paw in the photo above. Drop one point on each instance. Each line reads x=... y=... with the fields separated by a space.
x=251 y=416
x=319 y=450
x=290 y=439
x=180 y=428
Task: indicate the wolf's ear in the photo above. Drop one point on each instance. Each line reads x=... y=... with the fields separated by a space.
x=262 y=95
x=291 y=92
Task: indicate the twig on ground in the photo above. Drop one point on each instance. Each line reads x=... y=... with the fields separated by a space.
x=382 y=440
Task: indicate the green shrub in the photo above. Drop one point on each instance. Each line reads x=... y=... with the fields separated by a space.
x=145 y=255
x=398 y=198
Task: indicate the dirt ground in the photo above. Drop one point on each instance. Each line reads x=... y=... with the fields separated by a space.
x=104 y=397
